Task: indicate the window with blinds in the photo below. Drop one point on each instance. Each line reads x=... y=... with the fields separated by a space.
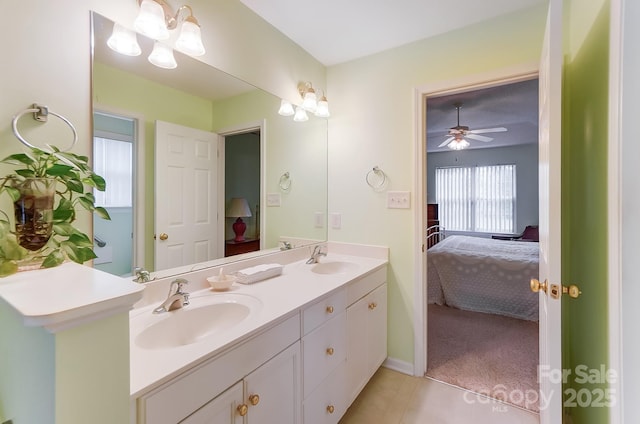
x=477 y=199
x=112 y=161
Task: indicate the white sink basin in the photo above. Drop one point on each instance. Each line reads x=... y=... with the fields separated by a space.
x=203 y=317
x=333 y=267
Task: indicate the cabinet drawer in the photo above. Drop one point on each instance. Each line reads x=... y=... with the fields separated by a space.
x=323 y=350
x=323 y=310
x=327 y=403
x=359 y=288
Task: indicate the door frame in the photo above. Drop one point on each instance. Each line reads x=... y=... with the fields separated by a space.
x=223 y=133
x=139 y=179
x=471 y=82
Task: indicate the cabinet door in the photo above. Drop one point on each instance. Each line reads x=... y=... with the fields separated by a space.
x=356 y=347
x=221 y=410
x=376 y=328
x=272 y=392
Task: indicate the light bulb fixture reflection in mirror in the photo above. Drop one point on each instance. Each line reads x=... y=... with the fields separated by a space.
x=309 y=99
x=286 y=108
x=301 y=115
x=124 y=41
x=162 y=56
x=458 y=144
x=322 y=111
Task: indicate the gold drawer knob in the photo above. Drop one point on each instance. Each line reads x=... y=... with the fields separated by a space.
x=242 y=410
x=373 y=305
x=254 y=399
x=330 y=409
x=330 y=351
x=329 y=309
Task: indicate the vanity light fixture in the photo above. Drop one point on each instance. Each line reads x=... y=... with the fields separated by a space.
x=286 y=108
x=322 y=111
x=124 y=41
x=156 y=18
x=162 y=56
x=309 y=99
x=301 y=114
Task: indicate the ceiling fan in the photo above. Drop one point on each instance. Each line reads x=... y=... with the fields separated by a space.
x=456 y=137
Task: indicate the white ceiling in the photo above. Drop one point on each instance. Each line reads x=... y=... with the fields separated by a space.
x=336 y=31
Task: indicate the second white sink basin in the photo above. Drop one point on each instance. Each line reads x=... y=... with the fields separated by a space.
x=206 y=315
x=333 y=267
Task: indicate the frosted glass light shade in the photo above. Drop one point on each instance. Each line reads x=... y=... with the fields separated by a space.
x=162 y=56
x=286 y=108
x=124 y=41
x=301 y=115
x=458 y=144
x=150 y=21
x=190 y=41
x=310 y=101
x=322 y=111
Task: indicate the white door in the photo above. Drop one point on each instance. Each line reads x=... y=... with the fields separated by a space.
x=186 y=196
x=549 y=209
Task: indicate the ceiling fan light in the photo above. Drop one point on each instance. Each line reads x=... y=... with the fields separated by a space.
x=190 y=41
x=458 y=144
x=150 y=20
x=124 y=41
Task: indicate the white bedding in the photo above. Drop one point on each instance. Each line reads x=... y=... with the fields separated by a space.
x=484 y=275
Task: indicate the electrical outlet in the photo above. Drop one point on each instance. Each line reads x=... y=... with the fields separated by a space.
x=398 y=199
x=273 y=199
x=336 y=220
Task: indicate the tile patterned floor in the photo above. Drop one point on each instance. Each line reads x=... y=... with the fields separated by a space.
x=394 y=398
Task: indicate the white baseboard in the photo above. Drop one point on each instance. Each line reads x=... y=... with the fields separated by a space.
x=398 y=365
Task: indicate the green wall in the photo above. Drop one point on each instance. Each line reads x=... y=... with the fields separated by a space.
x=584 y=205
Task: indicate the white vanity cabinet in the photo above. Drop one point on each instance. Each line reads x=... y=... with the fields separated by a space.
x=268 y=394
x=324 y=352
x=366 y=330
x=258 y=381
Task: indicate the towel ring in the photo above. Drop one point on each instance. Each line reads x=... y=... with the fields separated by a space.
x=376 y=178
x=40 y=114
x=285 y=181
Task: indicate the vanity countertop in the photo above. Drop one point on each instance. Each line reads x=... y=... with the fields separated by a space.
x=68 y=295
x=280 y=297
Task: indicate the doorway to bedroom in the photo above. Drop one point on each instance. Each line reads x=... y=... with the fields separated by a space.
x=482 y=213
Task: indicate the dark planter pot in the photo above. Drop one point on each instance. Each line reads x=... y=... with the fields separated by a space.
x=34 y=212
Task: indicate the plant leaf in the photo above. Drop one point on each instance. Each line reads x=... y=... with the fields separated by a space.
x=27 y=173
x=98 y=182
x=58 y=170
x=79 y=239
x=63 y=229
x=102 y=213
x=64 y=212
x=14 y=193
x=86 y=203
x=19 y=158
x=74 y=185
x=7 y=268
x=53 y=259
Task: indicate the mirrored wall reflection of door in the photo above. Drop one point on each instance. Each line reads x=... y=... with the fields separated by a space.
x=113 y=148
x=186 y=193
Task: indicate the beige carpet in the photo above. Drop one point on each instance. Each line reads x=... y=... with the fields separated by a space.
x=488 y=354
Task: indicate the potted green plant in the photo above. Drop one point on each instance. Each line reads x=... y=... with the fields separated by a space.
x=44 y=234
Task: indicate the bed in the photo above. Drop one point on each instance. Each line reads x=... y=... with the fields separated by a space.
x=484 y=275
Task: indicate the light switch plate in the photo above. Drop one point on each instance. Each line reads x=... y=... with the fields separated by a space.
x=336 y=220
x=273 y=199
x=398 y=199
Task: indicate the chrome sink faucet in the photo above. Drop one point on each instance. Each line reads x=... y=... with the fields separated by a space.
x=317 y=252
x=175 y=299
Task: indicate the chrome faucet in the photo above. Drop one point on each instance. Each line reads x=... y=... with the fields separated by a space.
x=317 y=252
x=142 y=275
x=175 y=300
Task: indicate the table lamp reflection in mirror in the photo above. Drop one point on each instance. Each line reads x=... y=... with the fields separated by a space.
x=239 y=208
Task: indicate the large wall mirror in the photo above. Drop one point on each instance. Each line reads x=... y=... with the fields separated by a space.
x=143 y=115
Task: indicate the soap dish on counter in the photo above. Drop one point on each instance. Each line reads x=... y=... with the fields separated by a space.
x=222 y=282
x=258 y=273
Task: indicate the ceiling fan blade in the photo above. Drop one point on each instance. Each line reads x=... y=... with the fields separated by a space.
x=488 y=130
x=447 y=141
x=478 y=137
